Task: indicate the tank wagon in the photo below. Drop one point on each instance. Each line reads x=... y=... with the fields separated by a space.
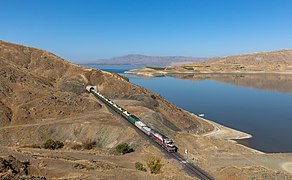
x=158 y=137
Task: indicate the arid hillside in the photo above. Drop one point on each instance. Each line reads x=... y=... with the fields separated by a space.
x=277 y=61
x=37 y=85
x=43 y=97
x=261 y=62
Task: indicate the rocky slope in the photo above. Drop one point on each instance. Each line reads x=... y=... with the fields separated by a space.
x=43 y=96
x=38 y=85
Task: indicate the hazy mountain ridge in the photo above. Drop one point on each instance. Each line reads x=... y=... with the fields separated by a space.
x=143 y=60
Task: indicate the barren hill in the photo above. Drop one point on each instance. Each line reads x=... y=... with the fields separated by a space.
x=43 y=97
x=277 y=61
x=266 y=62
x=260 y=62
x=37 y=84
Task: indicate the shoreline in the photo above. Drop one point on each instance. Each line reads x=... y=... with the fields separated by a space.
x=219 y=131
x=223 y=132
x=163 y=73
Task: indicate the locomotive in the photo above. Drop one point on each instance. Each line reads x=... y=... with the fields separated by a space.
x=158 y=137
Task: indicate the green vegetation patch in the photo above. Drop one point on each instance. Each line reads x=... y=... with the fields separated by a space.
x=157 y=68
x=51 y=144
x=154 y=164
x=139 y=166
x=124 y=148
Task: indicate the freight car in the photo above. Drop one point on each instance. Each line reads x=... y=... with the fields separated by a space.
x=158 y=137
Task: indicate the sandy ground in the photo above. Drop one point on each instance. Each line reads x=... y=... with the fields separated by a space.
x=223 y=132
x=92 y=164
x=287 y=166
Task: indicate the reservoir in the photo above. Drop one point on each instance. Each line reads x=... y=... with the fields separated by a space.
x=260 y=105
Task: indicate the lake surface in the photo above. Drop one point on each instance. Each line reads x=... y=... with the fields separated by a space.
x=263 y=113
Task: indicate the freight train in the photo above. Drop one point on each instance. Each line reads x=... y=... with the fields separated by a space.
x=162 y=140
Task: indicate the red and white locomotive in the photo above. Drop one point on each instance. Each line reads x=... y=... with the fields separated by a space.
x=163 y=141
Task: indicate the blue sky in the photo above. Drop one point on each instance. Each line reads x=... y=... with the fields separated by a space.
x=82 y=31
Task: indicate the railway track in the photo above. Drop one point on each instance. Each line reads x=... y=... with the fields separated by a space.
x=191 y=169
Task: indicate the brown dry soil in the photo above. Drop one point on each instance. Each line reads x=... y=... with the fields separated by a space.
x=276 y=61
x=261 y=62
x=43 y=96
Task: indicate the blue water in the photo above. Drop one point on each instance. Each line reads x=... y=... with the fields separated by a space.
x=265 y=114
x=115 y=68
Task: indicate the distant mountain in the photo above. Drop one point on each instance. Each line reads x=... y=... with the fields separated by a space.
x=136 y=59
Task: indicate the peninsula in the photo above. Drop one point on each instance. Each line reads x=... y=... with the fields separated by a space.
x=279 y=62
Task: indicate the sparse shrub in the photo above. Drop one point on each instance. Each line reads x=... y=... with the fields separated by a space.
x=124 y=148
x=76 y=147
x=51 y=144
x=154 y=164
x=156 y=68
x=59 y=144
x=88 y=144
x=139 y=166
